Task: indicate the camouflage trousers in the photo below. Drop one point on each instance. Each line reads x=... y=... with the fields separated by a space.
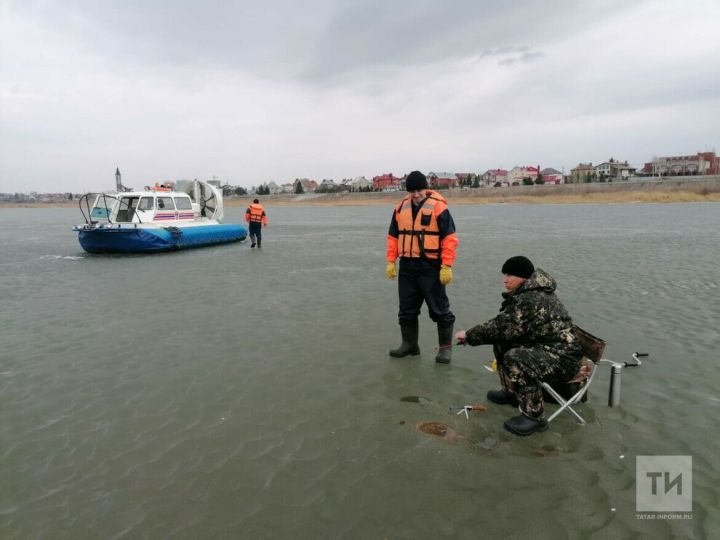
x=522 y=371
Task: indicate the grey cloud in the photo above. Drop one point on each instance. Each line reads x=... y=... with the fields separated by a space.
x=378 y=34
x=317 y=40
x=585 y=95
x=498 y=51
x=524 y=58
x=269 y=39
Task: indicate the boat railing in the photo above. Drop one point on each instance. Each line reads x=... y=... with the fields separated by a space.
x=102 y=208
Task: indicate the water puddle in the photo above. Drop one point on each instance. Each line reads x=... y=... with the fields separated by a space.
x=546 y=450
x=415 y=399
x=438 y=429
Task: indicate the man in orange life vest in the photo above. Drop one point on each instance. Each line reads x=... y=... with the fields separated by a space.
x=422 y=235
x=255 y=216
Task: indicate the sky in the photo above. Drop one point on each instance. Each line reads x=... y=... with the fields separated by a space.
x=251 y=92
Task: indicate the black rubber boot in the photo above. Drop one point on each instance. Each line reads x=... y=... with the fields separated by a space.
x=409 y=345
x=445 y=335
x=524 y=425
x=501 y=397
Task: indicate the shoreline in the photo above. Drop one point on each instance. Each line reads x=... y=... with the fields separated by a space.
x=672 y=191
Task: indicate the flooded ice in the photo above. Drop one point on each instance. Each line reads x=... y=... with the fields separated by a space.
x=226 y=392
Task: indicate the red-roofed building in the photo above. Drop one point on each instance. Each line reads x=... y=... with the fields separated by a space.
x=518 y=174
x=442 y=180
x=387 y=182
x=701 y=163
x=552 y=176
x=492 y=176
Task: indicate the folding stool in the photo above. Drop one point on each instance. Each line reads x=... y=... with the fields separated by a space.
x=592 y=348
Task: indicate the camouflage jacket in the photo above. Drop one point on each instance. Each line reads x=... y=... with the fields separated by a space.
x=532 y=316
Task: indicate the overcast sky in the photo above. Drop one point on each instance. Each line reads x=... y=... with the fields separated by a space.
x=252 y=92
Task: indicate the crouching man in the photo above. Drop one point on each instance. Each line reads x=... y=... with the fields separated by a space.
x=533 y=342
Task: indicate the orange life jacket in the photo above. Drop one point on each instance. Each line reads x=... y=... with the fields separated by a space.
x=256 y=214
x=419 y=237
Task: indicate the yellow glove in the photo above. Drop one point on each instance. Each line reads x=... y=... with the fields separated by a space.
x=445 y=274
x=390 y=271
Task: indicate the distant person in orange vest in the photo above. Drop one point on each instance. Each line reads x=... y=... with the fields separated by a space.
x=422 y=235
x=255 y=216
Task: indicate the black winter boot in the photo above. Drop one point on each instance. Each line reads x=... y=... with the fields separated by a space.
x=409 y=345
x=501 y=397
x=445 y=335
x=524 y=425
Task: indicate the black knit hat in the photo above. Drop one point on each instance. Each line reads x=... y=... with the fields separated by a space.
x=415 y=180
x=518 y=266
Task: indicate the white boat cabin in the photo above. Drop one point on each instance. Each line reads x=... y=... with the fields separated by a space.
x=150 y=206
x=192 y=202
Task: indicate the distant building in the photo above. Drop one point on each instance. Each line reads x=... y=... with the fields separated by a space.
x=699 y=164
x=442 y=180
x=360 y=182
x=273 y=187
x=118 y=182
x=584 y=172
x=308 y=185
x=387 y=182
x=492 y=176
x=328 y=186
x=552 y=176
x=614 y=170
x=465 y=179
x=518 y=174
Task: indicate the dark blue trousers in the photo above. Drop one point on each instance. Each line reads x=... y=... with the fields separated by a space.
x=255 y=230
x=418 y=282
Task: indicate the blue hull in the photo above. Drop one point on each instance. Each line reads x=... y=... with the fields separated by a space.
x=155 y=240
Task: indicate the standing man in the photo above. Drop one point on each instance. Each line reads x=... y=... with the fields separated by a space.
x=422 y=235
x=255 y=216
x=533 y=341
